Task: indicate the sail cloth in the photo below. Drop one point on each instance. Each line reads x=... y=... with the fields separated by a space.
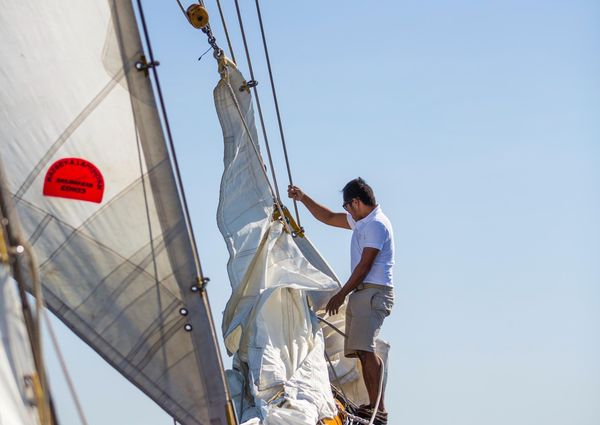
x=16 y=360
x=268 y=325
x=89 y=171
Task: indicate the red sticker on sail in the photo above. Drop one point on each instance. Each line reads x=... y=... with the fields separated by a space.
x=74 y=178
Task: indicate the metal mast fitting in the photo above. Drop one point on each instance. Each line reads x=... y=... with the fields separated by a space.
x=289 y=219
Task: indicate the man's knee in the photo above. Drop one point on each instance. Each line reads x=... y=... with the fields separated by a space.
x=364 y=355
x=368 y=357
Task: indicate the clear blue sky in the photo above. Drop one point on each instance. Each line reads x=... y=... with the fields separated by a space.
x=478 y=125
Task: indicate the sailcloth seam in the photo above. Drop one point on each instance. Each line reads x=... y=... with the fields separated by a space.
x=75 y=232
x=140 y=266
x=40 y=229
x=104 y=207
x=117 y=359
x=172 y=327
x=68 y=131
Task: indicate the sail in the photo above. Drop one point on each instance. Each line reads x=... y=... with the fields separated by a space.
x=268 y=325
x=86 y=163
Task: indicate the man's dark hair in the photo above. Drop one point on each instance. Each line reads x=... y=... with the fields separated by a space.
x=358 y=188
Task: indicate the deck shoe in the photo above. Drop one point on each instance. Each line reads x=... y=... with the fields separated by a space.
x=381 y=419
x=366 y=411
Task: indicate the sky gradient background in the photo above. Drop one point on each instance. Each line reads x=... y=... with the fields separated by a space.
x=478 y=126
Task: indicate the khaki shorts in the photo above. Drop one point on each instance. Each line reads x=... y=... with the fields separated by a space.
x=368 y=305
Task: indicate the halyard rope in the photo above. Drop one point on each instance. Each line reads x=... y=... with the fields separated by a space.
x=381 y=375
x=225 y=77
x=260 y=114
x=218 y=54
x=226 y=31
x=186 y=212
x=65 y=371
x=206 y=29
x=337 y=378
x=285 y=153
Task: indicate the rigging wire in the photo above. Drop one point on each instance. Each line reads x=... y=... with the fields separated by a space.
x=259 y=156
x=381 y=375
x=275 y=187
x=274 y=91
x=202 y=280
x=186 y=212
x=379 y=392
x=218 y=54
x=226 y=31
x=65 y=370
x=337 y=378
x=182 y=8
x=260 y=114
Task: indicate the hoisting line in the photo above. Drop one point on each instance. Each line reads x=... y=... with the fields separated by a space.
x=260 y=114
x=65 y=370
x=230 y=414
x=226 y=31
x=219 y=56
x=285 y=153
x=201 y=2
x=170 y=139
x=337 y=378
x=254 y=146
x=381 y=375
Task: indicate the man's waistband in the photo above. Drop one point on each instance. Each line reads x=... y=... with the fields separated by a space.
x=364 y=285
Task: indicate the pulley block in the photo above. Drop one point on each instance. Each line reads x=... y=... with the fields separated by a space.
x=297 y=231
x=197 y=15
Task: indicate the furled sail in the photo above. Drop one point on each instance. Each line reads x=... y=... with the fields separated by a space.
x=278 y=283
x=267 y=323
x=91 y=178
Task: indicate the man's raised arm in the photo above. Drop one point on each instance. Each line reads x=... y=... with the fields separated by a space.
x=320 y=212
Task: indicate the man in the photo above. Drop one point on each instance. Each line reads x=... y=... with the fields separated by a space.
x=370 y=285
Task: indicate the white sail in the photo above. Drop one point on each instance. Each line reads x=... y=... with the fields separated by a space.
x=267 y=324
x=87 y=165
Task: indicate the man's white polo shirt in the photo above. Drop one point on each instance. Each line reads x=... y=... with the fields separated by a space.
x=373 y=231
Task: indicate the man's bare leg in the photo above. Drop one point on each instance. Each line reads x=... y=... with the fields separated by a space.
x=372 y=369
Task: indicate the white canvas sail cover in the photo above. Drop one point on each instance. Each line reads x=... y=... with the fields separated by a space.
x=16 y=360
x=91 y=179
